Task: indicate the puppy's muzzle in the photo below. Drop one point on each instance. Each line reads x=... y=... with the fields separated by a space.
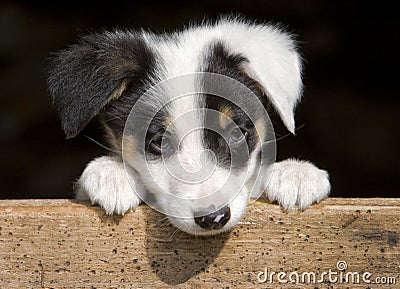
x=214 y=220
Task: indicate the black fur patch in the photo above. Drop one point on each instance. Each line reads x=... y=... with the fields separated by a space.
x=220 y=61
x=83 y=77
x=159 y=142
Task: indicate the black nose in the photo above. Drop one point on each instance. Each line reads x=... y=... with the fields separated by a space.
x=212 y=221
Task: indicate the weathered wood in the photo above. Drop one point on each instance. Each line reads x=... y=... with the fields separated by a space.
x=64 y=244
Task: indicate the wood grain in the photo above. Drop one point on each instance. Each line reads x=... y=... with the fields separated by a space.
x=64 y=244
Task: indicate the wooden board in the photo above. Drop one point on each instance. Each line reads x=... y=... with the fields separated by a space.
x=64 y=244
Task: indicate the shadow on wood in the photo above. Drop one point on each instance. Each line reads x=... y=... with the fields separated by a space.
x=175 y=256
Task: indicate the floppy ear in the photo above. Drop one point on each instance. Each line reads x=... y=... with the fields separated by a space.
x=273 y=62
x=86 y=76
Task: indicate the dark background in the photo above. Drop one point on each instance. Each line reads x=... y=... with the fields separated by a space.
x=348 y=119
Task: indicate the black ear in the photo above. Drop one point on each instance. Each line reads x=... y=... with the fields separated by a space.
x=86 y=76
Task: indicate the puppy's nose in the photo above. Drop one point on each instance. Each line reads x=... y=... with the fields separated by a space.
x=212 y=221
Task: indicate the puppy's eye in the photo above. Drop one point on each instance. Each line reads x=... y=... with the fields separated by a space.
x=237 y=136
x=160 y=143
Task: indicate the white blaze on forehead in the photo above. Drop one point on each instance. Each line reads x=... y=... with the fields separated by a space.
x=185 y=115
x=183 y=53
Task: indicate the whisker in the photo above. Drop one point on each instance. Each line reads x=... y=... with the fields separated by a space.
x=100 y=144
x=171 y=238
x=300 y=127
x=111 y=119
x=282 y=137
x=179 y=230
x=161 y=223
x=285 y=135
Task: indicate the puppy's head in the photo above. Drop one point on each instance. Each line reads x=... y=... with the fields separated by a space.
x=186 y=112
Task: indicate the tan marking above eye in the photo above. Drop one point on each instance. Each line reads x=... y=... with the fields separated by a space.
x=129 y=151
x=117 y=93
x=112 y=139
x=168 y=121
x=261 y=127
x=225 y=116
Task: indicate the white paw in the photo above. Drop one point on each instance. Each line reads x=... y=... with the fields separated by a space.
x=295 y=182
x=104 y=182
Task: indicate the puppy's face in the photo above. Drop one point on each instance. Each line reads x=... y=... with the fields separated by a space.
x=197 y=152
x=187 y=114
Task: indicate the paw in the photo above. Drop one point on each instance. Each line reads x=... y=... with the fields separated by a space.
x=104 y=182
x=296 y=182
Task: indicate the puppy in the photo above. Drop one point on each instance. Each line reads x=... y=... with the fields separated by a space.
x=187 y=116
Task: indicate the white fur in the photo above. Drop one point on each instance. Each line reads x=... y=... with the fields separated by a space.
x=295 y=182
x=104 y=182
